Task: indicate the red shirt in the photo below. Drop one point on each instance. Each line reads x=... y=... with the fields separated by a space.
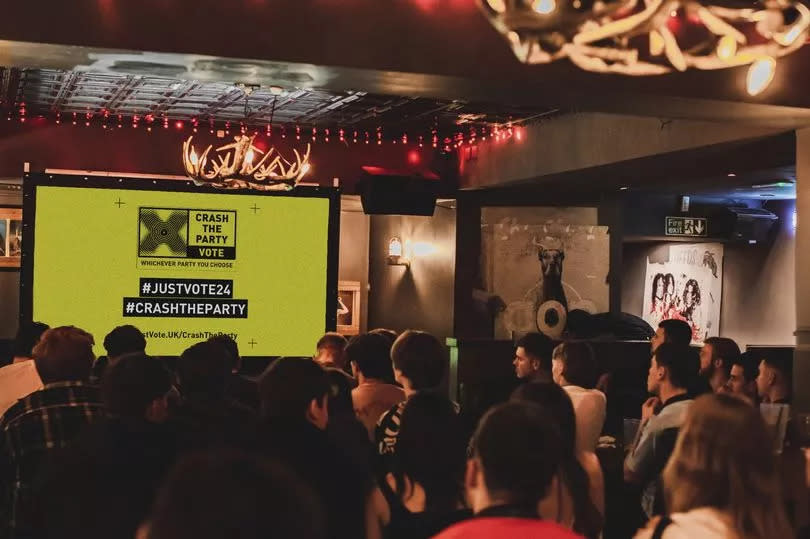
x=506 y=527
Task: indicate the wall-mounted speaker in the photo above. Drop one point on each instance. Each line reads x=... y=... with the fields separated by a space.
x=390 y=192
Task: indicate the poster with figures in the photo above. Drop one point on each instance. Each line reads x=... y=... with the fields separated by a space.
x=540 y=272
x=688 y=286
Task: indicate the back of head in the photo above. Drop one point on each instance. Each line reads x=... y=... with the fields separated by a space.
x=64 y=354
x=421 y=358
x=289 y=385
x=132 y=383
x=557 y=404
x=539 y=347
x=676 y=331
x=28 y=335
x=579 y=363
x=724 y=349
x=724 y=459
x=124 y=340
x=389 y=334
x=681 y=361
x=203 y=370
x=520 y=451
x=227 y=342
x=217 y=495
x=430 y=450
x=340 y=393
x=371 y=354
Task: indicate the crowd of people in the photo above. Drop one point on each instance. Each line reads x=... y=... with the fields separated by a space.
x=361 y=441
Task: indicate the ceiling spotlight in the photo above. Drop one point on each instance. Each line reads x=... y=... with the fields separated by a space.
x=276 y=90
x=731 y=175
x=624 y=188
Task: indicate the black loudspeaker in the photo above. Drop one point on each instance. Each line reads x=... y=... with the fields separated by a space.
x=387 y=192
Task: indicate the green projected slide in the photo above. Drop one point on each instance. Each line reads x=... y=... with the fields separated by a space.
x=183 y=266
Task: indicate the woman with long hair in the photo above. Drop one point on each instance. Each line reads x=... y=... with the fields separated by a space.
x=722 y=479
x=422 y=493
x=578 y=502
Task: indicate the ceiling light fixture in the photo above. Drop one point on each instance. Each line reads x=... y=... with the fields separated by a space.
x=235 y=168
x=603 y=36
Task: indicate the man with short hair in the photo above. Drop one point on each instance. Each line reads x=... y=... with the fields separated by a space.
x=121 y=340
x=511 y=440
x=329 y=350
x=49 y=419
x=21 y=378
x=774 y=380
x=672 y=367
x=742 y=381
x=533 y=357
x=674 y=331
x=420 y=363
x=295 y=414
x=370 y=359
x=716 y=358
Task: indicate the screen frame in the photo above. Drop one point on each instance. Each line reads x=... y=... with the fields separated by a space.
x=33 y=180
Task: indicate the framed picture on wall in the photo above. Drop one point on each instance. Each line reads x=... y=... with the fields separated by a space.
x=348 y=314
x=10 y=237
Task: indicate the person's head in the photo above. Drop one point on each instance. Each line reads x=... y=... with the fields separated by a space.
x=533 y=355
x=229 y=494
x=674 y=331
x=28 y=335
x=419 y=360
x=64 y=354
x=718 y=353
x=556 y=403
x=370 y=357
x=430 y=453
x=136 y=387
x=389 y=334
x=658 y=287
x=329 y=350
x=774 y=376
x=742 y=379
x=124 y=340
x=672 y=368
x=340 y=393
x=724 y=459
x=230 y=345
x=295 y=389
x=203 y=370
x=516 y=453
x=691 y=294
x=574 y=363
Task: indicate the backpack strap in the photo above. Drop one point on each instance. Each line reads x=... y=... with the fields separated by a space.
x=658 y=533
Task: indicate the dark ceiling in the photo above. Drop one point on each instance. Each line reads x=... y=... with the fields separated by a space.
x=59 y=93
x=442 y=49
x=755 y=169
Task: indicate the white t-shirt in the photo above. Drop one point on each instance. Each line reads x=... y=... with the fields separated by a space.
x=17 y=380
x=702 y=523
x=590 y=408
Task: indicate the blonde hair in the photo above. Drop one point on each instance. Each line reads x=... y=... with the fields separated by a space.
x=723 y=459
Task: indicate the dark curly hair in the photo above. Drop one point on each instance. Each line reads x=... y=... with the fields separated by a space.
x=695 y=292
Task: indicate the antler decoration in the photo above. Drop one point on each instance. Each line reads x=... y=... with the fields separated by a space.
x=596 y=34
x=234 y=167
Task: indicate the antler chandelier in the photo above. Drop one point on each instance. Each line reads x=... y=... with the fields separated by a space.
x=608 y=36
x=235 y=168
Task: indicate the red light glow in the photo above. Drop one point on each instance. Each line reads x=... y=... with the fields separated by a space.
x=414 y=158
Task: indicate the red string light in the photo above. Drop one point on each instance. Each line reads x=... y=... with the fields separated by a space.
x=342 y=135
x=326 y=135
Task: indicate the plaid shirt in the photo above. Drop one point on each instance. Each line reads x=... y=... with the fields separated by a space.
x=45 y=420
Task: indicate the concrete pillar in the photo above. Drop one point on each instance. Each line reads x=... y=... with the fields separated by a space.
x=801 y=366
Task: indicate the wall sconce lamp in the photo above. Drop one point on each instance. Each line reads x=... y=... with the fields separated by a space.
x=396 y=254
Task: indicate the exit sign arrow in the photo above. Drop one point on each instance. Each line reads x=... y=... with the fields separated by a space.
x=690 y=227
